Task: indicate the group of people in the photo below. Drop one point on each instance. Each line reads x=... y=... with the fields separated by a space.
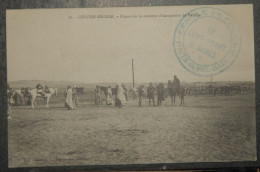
x=143 y=92
x=106 y=93
x=158 y=90
x=23 y=95
x=71 y=97
x=151 y=90
x=117 y=96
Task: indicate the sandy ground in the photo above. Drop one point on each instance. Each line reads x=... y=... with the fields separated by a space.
x=206 y=129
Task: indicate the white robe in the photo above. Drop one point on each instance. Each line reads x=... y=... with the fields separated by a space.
x=121 y=95
x=69 y=101
x=109 y=96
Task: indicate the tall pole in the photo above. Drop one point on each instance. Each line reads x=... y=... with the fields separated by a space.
x=211 y=80
x=133 y=73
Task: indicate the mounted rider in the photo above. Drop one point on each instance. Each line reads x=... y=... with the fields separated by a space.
x=176 y=83
x=39 y=90
x=47 y=90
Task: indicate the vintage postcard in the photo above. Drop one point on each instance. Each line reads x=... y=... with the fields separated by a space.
x=131 y=85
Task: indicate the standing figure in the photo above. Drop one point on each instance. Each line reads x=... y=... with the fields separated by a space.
x=19 y=96
x=160 y=94
x=120 y=96
x=69 y=102
x=182 y=93
x=150 y=94
x=75 y=96
x=125 y=92
x=97 y=95
x=9 y=99
x=109 y=96
x=46 y=90
x=141 y=94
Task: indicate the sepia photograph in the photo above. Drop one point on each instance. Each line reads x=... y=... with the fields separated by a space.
x=130 y=85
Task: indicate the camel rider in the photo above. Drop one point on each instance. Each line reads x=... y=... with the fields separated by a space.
x=176 y=82
x=39 y=89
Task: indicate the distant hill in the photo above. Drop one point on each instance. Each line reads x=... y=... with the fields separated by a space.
x=33 y=83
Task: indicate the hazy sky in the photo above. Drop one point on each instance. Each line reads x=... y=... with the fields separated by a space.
x=46 y=45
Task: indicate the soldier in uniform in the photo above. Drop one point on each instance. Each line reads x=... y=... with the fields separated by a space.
x=150 y=94
x=141 y=95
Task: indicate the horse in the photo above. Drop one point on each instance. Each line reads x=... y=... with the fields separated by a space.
x=173 y=90
x=34 y=94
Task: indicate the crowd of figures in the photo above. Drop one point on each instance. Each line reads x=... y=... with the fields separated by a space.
x=119 y=94
x=108 y=93
x=218 y=90
x=27 y=96
x=155 y=93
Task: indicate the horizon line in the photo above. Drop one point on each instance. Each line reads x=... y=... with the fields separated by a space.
x=85 y=82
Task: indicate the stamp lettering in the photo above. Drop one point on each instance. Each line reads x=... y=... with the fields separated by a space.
x=210 y=41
